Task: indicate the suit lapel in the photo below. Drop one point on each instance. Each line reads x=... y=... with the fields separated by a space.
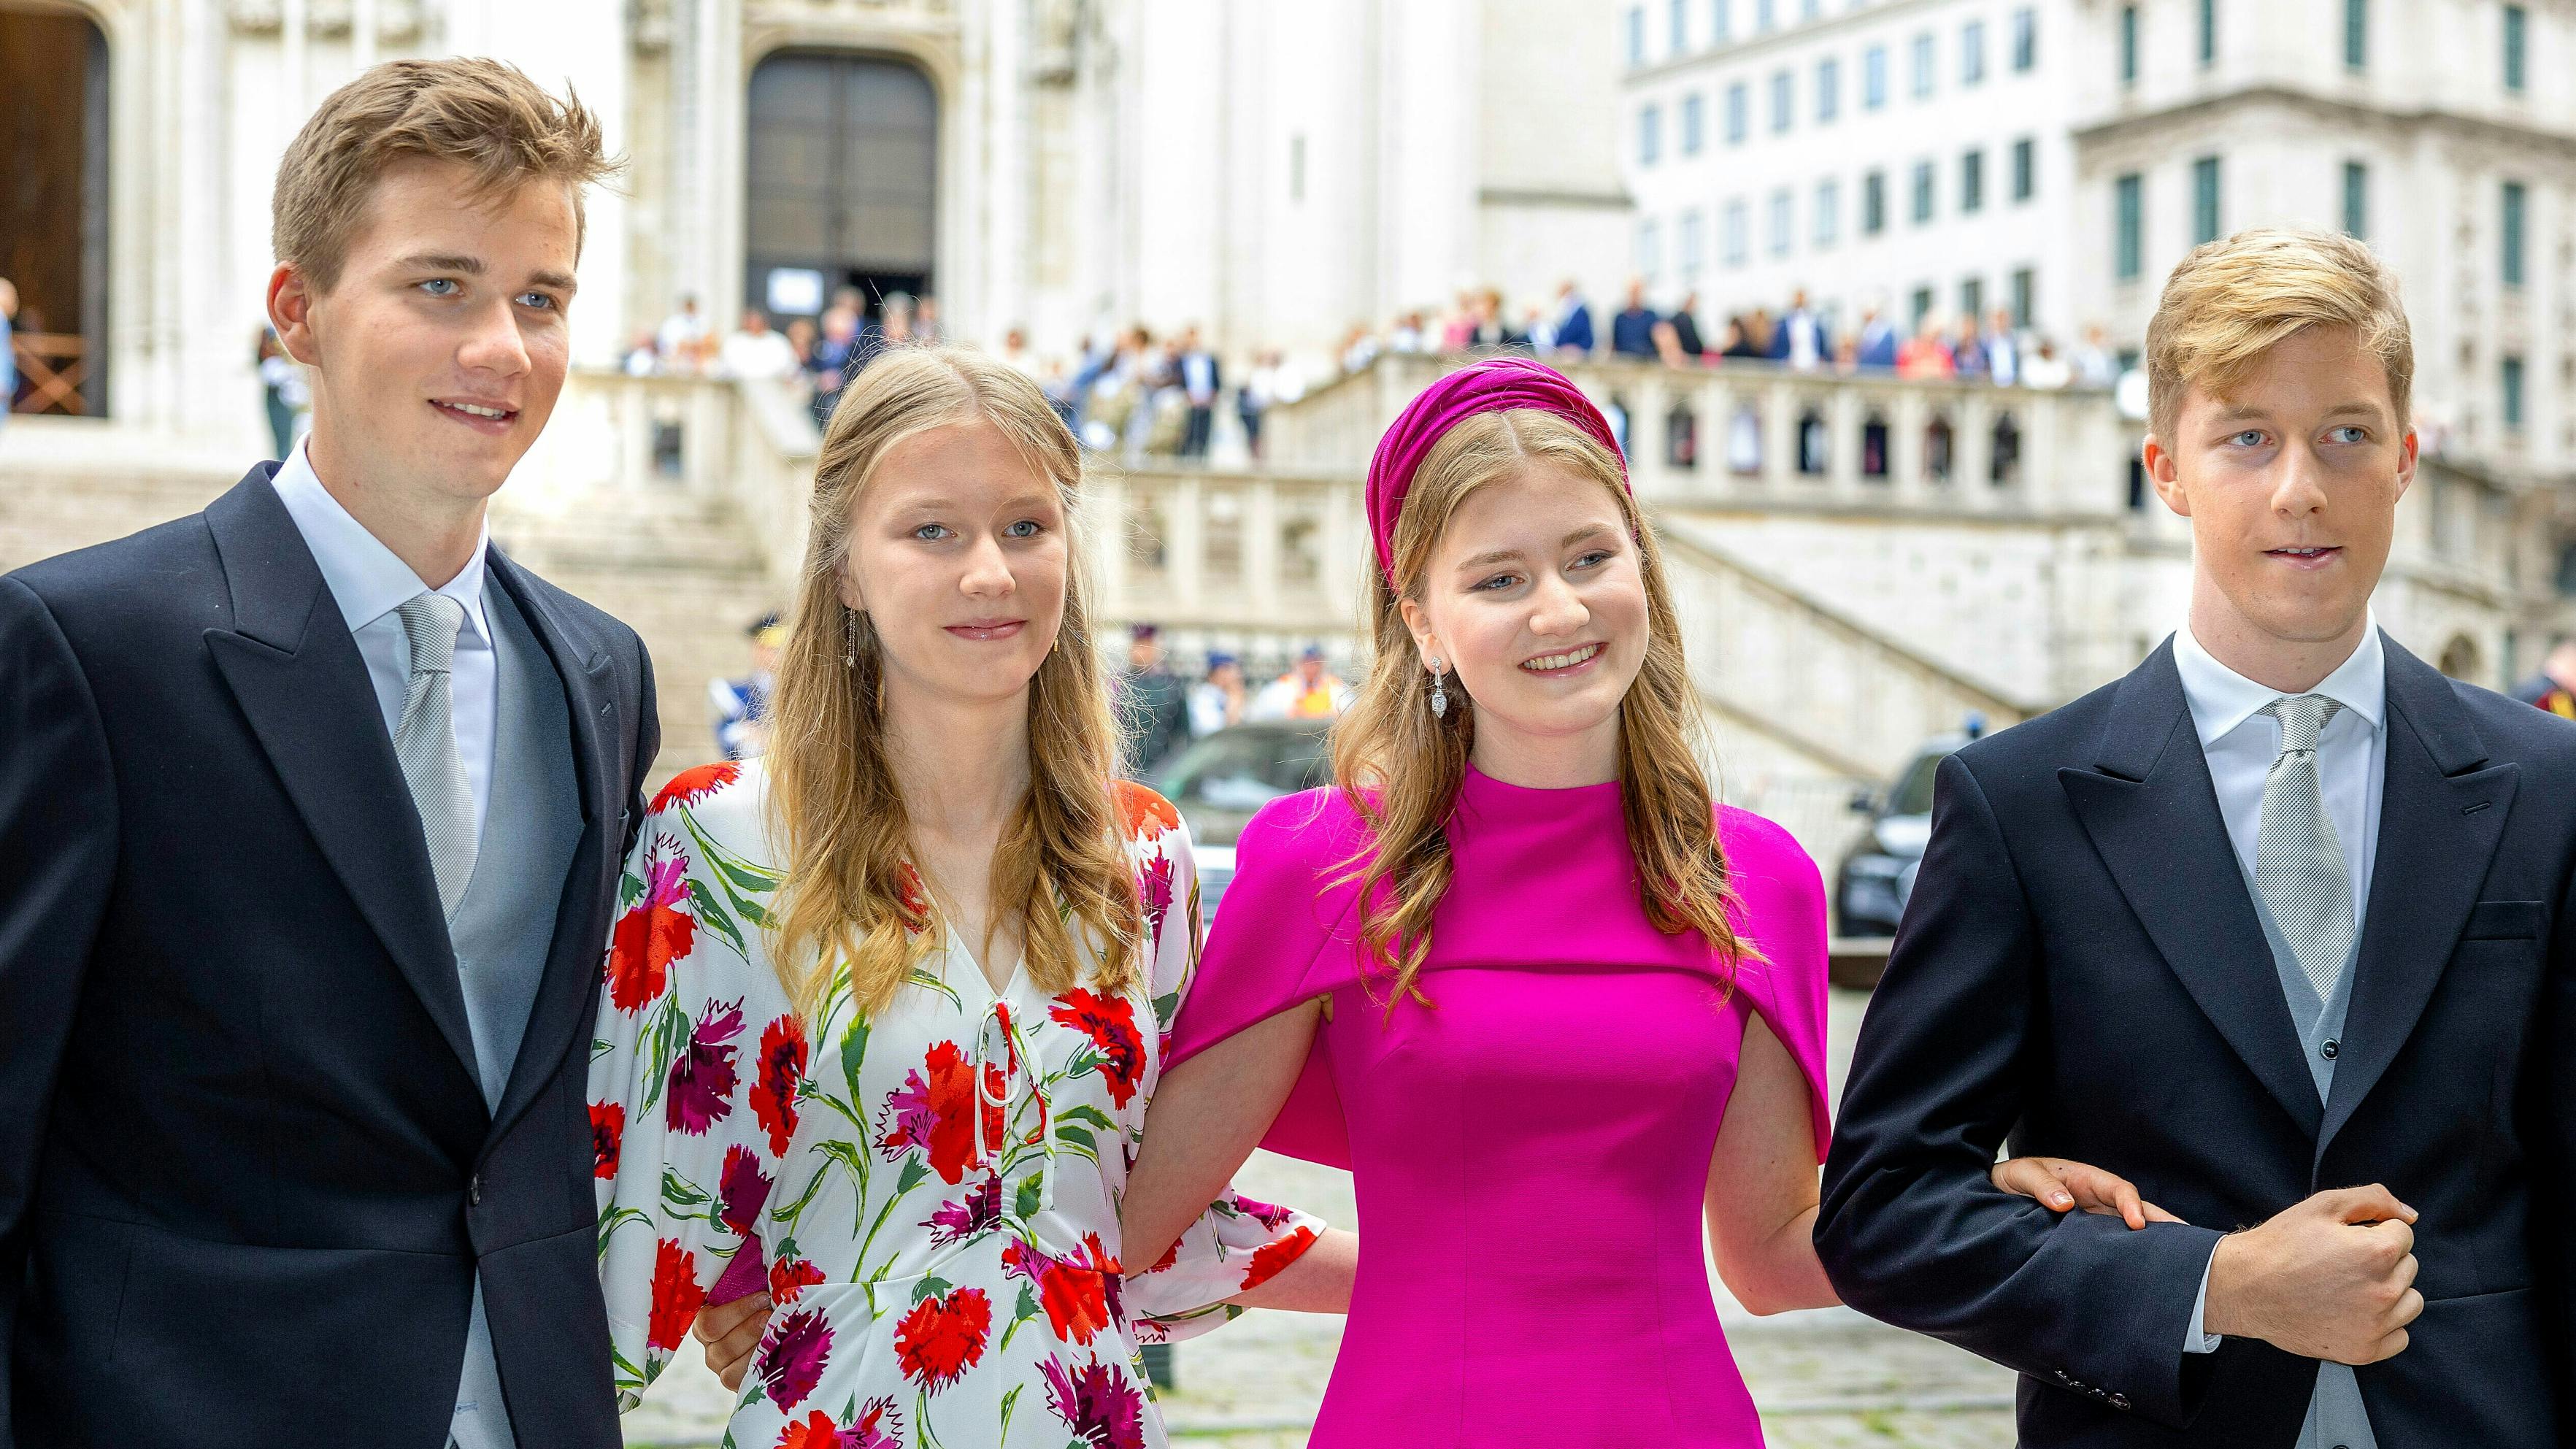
x=2440 y=818
x=568 y=990
x=2153 y=814
x=297 y=674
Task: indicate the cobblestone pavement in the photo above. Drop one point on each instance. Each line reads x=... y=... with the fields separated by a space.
x=1825 y=1379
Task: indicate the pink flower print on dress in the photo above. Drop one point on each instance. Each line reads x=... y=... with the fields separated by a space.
x=792 y=1355
x=653 y=933
x=1097 y=1402
x=1154 y=888
x=702 y=1075
x=977 y=1214
x=742 y=1190
x=1273 y=1218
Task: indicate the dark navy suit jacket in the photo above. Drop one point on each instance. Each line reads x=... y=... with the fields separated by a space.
x=247 y=1175
x=2081 y=971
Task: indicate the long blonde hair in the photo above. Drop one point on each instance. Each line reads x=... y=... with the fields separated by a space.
x=850 y=893
x=1400 y=766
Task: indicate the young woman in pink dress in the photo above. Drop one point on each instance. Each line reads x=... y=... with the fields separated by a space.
x=1552 y=1009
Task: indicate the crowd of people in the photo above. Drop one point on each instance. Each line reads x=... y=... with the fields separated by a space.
x=1159 y=712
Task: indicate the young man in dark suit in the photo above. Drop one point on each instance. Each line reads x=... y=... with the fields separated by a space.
x=2280 y=928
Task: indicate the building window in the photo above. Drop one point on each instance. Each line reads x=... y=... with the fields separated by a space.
x=1650 y=135
x=2356 y=199
x=1297 y=168
x=2204 y=200
x=1781 y=226
x=2513 y=394
x=1738 y=243
x=2025 y=40
x=1721 y=21
x=2128 y=45
x=1972 y=182
x=1829 y=213
x=1922 y=192
x=1650 y=252
x=1694 y=123
x=1923 y=65
x=1637 y=36
x=2517 y=29
x=1680 y=26
x=2025 y=297
x=1972 y=300
x=1972 y=53
x=1829 y=89
x=2128 y=226
x=2208 y=32
x=1873 y=77
x=1782 y=97
x=1738 y=114
x=1873 y=203
x=1765 y=14
x=1689 y=245
x=2356 y=34
x=2512 y=233
x=2025 y=181
x=1922 y=305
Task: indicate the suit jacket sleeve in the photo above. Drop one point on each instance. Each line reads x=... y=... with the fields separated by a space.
x=57 y=856
x=2553 y=1145
x=1911 y=1230
x=648 y=745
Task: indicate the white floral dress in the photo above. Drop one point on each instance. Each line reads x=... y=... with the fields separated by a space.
x=933 y=1191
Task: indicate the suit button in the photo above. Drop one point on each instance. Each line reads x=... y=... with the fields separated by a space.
x=474 y=1190
x=2330 y=1051
x=2121 y=1403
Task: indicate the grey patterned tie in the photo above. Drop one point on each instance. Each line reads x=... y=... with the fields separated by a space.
x=425 y=743
x=2299 y=863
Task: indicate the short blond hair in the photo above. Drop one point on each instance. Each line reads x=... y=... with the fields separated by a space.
x=2234 y=299
x=481 y=114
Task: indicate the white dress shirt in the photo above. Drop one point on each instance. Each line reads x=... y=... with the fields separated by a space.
x=2240 y=743
x=369 y=582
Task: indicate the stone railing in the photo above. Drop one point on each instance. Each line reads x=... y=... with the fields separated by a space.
x=1235 y=553
x=1757 y=434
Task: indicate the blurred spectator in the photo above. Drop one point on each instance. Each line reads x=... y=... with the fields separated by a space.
x=800 y=340
x=742 y=705
x=1359 y=349
x=1252 y=400
x=2003 y=350
x=1878 y=341
x=281 y=384
x=2094 y=365
x=1685 y=320
x=835 y=356
x=1201 y=381
x=1572 y=328
x=1968 y=351
x=1309 y=691
x=643 y=359
x=1927 y=355
x=1748 y=337
x=1632 y=332
x=1152 y=705
x=2554 y=687
x=1217 y=700
x=1407 y=336
x=926 y=328
x=683 y=342
x=1016 y=354
x=1456 y=329
x=1801 y=339
x=755 y=352
x=2045 y=369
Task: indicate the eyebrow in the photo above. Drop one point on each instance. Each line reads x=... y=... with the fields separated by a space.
x=1506 y=555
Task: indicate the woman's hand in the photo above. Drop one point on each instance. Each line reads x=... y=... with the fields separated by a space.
x=2060 y=1185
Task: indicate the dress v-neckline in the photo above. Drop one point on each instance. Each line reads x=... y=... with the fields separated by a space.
x=957 y=948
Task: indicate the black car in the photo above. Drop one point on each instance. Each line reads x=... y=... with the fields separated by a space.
x=1870 y=890
x=1220 y=780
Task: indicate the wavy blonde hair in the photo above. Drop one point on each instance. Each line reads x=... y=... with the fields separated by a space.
x=850 y=894
x=1400 y=766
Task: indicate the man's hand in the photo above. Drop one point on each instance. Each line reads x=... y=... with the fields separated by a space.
x=730 y=1331
x=2061 y=1185
x=2331 y=1278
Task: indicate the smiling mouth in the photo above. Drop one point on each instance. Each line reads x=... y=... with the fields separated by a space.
x=1560 y=663
x=486 y=416
x=1002 y=629
x=2308 y=554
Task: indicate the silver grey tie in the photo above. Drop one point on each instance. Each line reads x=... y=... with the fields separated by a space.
x=425 y=743
x=2299 y=864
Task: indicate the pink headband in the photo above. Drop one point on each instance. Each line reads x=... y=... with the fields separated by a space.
x=1494 y=385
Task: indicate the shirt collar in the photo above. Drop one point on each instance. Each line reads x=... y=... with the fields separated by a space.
x=2222 y=699
x=367 y=579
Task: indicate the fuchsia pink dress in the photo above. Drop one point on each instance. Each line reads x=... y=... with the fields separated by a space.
x=1531 y=1153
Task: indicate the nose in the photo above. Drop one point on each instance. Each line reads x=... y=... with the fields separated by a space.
x=1555 y=608
x=2299 y=490
x=988 y=573
x=494 y=346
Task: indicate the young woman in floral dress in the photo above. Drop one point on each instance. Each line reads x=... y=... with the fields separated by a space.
x=883 y=1011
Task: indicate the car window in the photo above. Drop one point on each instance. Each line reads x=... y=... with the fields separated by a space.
x=1913 y=793
x=1230 y=770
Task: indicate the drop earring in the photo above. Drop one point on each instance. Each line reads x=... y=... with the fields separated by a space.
x=1439 y=690
x=849 y=638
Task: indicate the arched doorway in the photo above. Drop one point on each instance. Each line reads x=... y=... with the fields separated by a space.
x=53 y=206
x=843 y=178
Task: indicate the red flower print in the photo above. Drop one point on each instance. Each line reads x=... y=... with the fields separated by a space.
x=1110 y=1022
x=652 y=934
x=792 y=1355
x=1273 y=1218
x=676 y=1296
x=1275 y=1255
x=702 y=1073
x=1098 y=1402
x=942 y=1337
x=912 y=898
x=1079 y=1291
x=932 y=1110
x=782 y=1066
x=955 y=1222
x=790 y=1277
x=1154 y=890
x=742 y=1190
x=607 y=1135
x=1142 y=814
x=691 y=786
x=877 y=1427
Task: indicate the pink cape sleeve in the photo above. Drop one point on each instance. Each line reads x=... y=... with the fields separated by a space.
x=1283 y=935
x=1780 y=912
